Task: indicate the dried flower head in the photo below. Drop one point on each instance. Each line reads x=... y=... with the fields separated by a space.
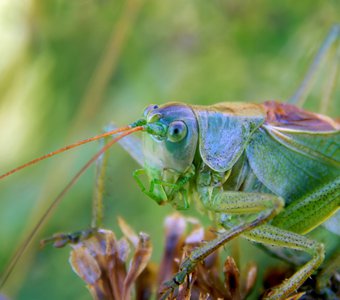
x=121 y=269
x=206 y=282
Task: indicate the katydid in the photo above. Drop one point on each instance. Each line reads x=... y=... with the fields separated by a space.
x=245 y=162
x=269 y=172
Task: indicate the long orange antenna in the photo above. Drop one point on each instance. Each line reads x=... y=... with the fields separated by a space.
x=57 y=200
x=68 y=147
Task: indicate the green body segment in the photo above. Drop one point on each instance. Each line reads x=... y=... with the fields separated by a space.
x=247 y=172
x=224 y=132
x=289 y=163
x=233 y=143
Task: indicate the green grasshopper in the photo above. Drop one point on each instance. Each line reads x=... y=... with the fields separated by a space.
x=269 y=172
x=244 y=163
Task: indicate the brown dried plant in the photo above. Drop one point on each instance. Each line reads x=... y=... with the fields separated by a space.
x=121 y=269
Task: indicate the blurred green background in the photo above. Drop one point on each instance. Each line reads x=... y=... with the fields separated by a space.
x=68 y=68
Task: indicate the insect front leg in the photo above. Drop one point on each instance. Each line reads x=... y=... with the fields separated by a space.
x=255 y=208
x=156 y=190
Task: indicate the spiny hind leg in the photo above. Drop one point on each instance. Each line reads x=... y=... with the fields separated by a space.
x=300 y=216
x=300 y=95
x=267 y=234
x=255 y=208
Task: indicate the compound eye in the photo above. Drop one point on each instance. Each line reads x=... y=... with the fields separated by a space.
x=177 y=131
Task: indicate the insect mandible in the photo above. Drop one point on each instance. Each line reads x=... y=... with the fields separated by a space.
x=269 y=172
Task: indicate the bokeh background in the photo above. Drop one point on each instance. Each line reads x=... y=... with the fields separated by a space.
x=68 y=68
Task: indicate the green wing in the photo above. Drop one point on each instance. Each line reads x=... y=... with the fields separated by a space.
x=291 y=162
